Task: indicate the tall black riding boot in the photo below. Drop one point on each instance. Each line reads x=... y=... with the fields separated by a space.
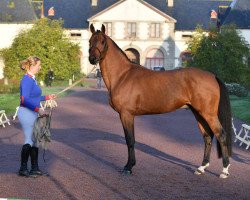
x=23 y=171
x=34 y=162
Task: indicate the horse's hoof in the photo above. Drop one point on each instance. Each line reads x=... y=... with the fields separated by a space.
x=126 y=172
x=199 y=172
x=224 y=175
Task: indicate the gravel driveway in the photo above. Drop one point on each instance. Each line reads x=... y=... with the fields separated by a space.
x=88 y=151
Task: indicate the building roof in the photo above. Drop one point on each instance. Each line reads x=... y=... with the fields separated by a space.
x=16 y=11
x=239 y=14
x=75 y=12
x=188 y=13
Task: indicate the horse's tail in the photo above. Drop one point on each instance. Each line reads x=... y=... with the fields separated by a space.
x=225 y=117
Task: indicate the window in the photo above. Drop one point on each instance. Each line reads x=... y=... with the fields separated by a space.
x=154 y=58
x=155 y=30
x=131 y=29
x=108 y=28
x=75 y=35
x=186 y=36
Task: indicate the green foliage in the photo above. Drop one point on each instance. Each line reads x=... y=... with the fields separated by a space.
x=9 y=102
x=221 y=53
x=11 y=4
x=237 y=90
x=12 y=87
x=47 y=41
x=8 y=89
x=195 y=42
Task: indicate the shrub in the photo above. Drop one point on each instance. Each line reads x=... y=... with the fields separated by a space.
x=8 y=89
x=224 y=53
x=12 y=87
x=237 y=90
x=46 y=40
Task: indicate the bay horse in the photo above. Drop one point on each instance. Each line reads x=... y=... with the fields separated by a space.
x=135 y=90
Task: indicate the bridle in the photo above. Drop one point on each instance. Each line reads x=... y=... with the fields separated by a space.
x=101 y=53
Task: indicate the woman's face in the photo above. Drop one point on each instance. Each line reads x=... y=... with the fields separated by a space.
x=35 y=68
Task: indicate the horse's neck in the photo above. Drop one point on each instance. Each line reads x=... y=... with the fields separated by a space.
x=114 y=65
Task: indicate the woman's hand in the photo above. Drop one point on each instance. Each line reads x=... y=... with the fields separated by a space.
x=52 y=96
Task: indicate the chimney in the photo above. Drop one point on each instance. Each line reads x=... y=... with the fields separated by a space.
x=94 y=2
x=170 y=3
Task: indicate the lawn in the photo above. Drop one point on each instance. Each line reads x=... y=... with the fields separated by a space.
x=241 y=107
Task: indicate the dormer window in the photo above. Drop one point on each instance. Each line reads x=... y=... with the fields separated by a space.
x=51 y=11
x=213 y=14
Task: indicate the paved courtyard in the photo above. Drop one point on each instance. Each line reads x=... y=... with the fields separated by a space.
x=88 y=151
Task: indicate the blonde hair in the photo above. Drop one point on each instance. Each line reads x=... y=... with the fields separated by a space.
x=30 y=61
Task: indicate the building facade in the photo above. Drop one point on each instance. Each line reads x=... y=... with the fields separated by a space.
x=151 y=33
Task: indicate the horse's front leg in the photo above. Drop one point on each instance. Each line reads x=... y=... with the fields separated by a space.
x=128 y=126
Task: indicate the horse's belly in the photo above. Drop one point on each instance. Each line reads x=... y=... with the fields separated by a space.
x=157 y=107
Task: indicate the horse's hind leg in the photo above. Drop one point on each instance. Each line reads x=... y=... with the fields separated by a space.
x=128 y=126
x=220 y=134
x=208 y=138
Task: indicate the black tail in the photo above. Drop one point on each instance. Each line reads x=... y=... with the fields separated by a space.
x=225 y=117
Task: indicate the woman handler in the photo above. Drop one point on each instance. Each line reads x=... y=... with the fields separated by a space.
x=30 y=98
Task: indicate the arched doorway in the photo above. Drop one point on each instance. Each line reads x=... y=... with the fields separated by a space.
x=133 y=55
x=155 y=57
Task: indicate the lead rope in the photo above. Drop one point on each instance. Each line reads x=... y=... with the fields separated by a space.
x=51 y=108
x=45 y=136
x=69 y=87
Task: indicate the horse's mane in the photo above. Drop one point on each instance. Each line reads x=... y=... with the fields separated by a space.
x=118 y=48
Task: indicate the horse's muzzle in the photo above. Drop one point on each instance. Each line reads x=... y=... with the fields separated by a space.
x=93 y=60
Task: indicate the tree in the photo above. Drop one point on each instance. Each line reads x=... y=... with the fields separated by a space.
x=222 y=53
x=47 y=41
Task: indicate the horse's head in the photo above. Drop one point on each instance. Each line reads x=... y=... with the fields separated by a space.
x=97 y=45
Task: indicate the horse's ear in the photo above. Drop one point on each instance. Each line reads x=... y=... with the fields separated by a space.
x=92 y=28
x=103 y=28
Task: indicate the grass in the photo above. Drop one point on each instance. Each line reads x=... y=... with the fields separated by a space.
x=9 y=102
x=241 y=107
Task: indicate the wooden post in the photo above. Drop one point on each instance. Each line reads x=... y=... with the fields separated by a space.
x=6 y=82
x=70 y=81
